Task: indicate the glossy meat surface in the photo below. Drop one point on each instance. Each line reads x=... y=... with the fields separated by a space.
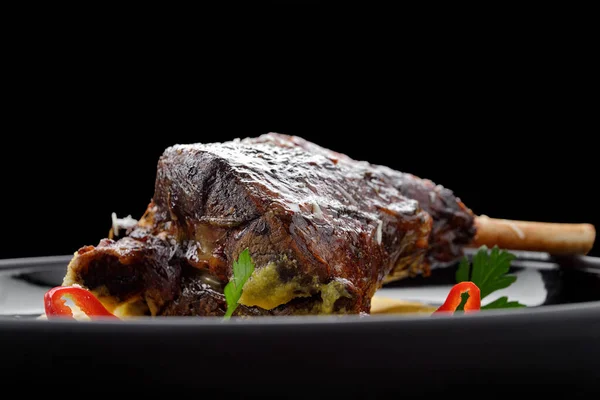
x=324 y=231
x=453 y=222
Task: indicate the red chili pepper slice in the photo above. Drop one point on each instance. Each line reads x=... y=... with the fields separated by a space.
x=55 y=304
x=453 y=300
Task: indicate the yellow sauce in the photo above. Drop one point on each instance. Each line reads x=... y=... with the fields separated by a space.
x=132 y=307
x=266 y=290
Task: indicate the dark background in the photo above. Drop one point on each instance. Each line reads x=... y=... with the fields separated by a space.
x=502 y=111
x=507 y=123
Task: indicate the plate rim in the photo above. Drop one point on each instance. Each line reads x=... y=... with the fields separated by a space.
x=52 y=262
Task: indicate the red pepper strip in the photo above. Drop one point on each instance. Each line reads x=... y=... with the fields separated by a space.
x=453 y=300
x=84 y=299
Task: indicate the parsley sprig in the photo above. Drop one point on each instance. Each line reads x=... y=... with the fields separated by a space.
x=242 y=269
x=488 y=270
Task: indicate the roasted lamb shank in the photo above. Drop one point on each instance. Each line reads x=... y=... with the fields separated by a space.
x=324 y=231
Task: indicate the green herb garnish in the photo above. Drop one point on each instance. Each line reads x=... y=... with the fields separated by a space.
x=242 y=269
x=489 y=273
x=502 y=302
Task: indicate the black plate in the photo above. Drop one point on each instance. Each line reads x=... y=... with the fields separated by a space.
x=557 y=342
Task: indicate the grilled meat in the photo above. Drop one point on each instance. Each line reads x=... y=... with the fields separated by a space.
x=453 y=222
x=323 y=230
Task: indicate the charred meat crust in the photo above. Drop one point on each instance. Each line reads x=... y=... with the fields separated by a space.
x=315 y=216
x=453 y=222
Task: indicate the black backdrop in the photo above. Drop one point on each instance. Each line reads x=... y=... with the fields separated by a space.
x=59 y=190
x=503 y=113
x=509 y=129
